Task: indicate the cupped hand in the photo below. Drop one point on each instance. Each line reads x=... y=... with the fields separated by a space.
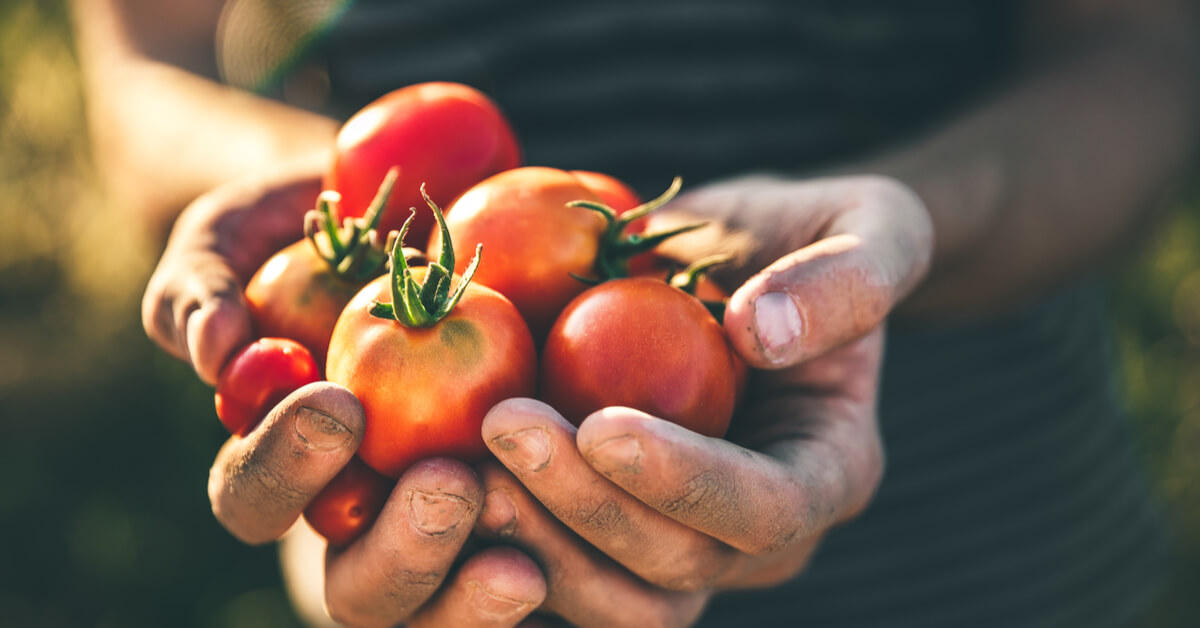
x=193 y=305
x=409 y=565
x=633 y=507
x=817 y=263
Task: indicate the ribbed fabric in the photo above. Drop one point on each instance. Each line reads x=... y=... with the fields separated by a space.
x=1011 y=496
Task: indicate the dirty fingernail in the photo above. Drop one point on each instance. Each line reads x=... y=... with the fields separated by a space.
x=320 y=431
x=620 y=454
x=777 y=325
x=435 y=513
x=528 y=449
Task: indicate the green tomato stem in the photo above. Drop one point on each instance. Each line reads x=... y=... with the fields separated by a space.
x=351 y=250
x=424 y=304
x=616 y=248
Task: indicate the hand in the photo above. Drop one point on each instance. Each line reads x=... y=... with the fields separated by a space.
x=818 y=263
x=259 y=485
x=403 y=569
x=667 y=516
x=193 y=305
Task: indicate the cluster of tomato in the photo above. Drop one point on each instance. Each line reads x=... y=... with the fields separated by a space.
x=538 y=283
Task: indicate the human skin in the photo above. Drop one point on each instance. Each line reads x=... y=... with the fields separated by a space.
x=966 y=221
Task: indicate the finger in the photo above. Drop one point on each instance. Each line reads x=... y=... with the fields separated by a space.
x=194 y=309
x=499 y=586
x=837 y=288
x=392 y=570
x=796 y=489
x=259 y=484
x=584 y=587
x=539 y=447
x=193 y=305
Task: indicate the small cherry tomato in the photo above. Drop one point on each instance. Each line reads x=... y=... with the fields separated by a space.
x=349 y=504
x=259 y=376
x=446 y=136
x=644 y=344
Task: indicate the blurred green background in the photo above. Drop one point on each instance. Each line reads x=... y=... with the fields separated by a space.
x=105 y=442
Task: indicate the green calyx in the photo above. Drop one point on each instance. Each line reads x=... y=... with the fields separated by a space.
x=617 y=247
x=352 y=250
x=424 y=304
x=688 y=278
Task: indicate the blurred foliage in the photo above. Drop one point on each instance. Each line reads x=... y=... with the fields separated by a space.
x=105 y=442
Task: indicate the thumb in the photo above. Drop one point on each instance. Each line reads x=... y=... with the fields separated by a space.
x=837 y=288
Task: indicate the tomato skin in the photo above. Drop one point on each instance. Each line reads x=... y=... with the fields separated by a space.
x=259 y=376
x=643 y=344
x=611 y=190
x=531 y=241
x=446 y=135
x=296 y=295
x=349 y=504
x=425 y=391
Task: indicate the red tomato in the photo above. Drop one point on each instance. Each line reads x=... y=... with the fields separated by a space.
x=297 y=295
x=258 y=377
x=426 y=390
x=444 y=135
x=643 y=344
x=349 y=504
x=532 y=241
x=301 y=290
x=611 y=191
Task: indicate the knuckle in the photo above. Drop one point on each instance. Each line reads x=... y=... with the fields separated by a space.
x=605 y=517
x=157 y=312
x=405 y=590
x=396 y=597
x=698 y=495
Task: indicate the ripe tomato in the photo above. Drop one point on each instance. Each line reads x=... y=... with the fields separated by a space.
x=349 y=504
x=301 y=290
x=611 y=191
x=644 y=344
x=258 y=377
x=534 y=242
x=447 y=136
x=428 y=372
x=297 y=295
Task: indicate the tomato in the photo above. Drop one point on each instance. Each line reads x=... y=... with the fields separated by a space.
x=532 y=240
x=301 y=290
x=447 y=136
x=427 y=364
x=644 y=344
x=610 y=190
x=297 y=295
x=349 y=504
x=259 y=376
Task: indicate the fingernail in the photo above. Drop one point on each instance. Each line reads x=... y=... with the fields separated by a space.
x=435 y=513
x=499 y=514
x=319 y=431
x=528 y=449
x=777 y=325
x=620 y=454
x=492 y=605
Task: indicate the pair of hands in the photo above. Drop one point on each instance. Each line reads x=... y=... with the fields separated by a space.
x=628 y=519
